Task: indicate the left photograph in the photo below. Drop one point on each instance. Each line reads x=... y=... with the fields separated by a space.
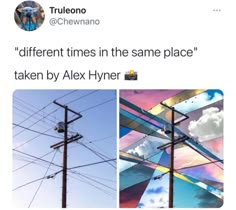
x=64 y=149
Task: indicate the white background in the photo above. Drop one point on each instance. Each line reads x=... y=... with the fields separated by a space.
x=127 y=24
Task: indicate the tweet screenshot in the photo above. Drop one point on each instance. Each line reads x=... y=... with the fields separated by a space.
x=117 y=104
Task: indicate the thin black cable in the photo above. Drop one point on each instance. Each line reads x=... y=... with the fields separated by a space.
x=39 y=110
x=94 y=180
x=22 y=158
x=49 y=121
x=38 y=132
x=33 y=114
x=26 y=102
x=102 y=150
x=91 y=164
x=35 y=123
x=26 y=142
x=94 y=149
x=83 y=96
x=97 y=153
x=97 y=177
x=36 y=192
x=41 y=164
x=31 y=120
x=33 y=161
x=28 y=183
x=36 y=158
x=66 y=94
x=100 y=139
x=52 y=113
x=100 y=104
x=87 y=182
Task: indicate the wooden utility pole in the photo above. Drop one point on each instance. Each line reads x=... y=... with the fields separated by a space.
x=172 y=144
x=171 y=175
x=64 y=170
x=64 y=143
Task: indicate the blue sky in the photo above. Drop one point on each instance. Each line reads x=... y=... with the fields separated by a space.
x=95 y=186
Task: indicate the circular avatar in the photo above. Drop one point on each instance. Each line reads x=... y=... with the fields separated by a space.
x=29 y=15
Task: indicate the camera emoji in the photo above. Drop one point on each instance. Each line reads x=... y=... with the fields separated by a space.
x=131 y=75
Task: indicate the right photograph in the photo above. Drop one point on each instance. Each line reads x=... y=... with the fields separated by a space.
x=171 y=148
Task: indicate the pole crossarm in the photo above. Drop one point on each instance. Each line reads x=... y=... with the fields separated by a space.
x=70 y=140
x=64 y=106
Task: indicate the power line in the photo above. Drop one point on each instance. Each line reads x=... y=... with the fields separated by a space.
x=39 y=110
x=87 y=182
x=83 y=96
x=41 y=164
x=101 y=139
x=94 y=180
x=95 y=106
x=37 y=190
x=89 y=142
x=31 y=182
x=26 y=142
x=22 y=158
x=91 y=164
x=103 y=190
x=49 y=121
x=52 y=113
x=30 y=120
x=34 y=123
x=38 y=132
x=102 y=150
x=97 y=153
x=37 y=158
x=66 y=95
x=33 y=161
x=34 y=113
x=97 y=177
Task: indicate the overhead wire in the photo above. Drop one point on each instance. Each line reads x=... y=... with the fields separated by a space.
x=49 y=115
x=33 y=161
x=35 y=137
x=36 y=180
x=97 y=177
x=94 y=180
x=91 y=164
x=103 y=157
x=36 y=116
x=97 y=105
x=38 y=132
x=82 y=179
x=38 y=158
x=34 y=123
x=40 y=184
x=44 y=133
x=83 y=96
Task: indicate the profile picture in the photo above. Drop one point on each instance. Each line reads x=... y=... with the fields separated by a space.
x=29 y=15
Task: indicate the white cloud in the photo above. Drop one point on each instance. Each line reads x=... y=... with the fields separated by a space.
x=148 y=147
x=209 y=125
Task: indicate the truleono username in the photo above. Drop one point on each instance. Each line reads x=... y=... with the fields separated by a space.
x=66 y=21
x=65 y=10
